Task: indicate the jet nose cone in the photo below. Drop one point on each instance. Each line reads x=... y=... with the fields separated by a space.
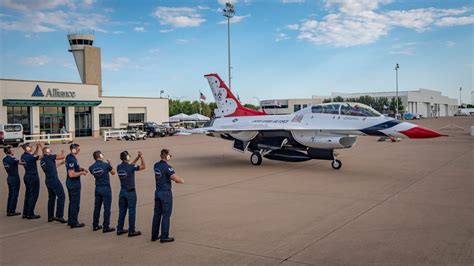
x=418 y=132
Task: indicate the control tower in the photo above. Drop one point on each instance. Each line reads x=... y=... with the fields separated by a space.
x=87 y=58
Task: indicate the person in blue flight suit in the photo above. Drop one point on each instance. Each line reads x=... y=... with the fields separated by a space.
x=73 y=184
x=13 y=180
x=103 y=193
x=31 y=180
x=164 y=174
x=128 y=197
x=55 y=188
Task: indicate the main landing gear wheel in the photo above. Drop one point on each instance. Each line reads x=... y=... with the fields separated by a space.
x=256 y=158
x=336 y=164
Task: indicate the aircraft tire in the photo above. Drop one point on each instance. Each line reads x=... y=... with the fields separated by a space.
x=256 y=158
x=336 y=164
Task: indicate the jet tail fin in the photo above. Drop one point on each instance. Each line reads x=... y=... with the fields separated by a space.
x=227 y=103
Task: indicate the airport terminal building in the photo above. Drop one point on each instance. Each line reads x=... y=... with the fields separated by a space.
x=47 y=106
x=288 y=106
x=423 y=102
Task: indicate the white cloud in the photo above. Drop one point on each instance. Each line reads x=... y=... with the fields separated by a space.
x=118 y=32
x=116 y=64
x=359 y=22
x=455 y=21
x=450 y=44
x=88 y=2
x=154 y=50
x=356 y=6
x=223 y=2
x=166 y=31
x=292 y=1
x=281 y=37
x=404 y=48
x=183 y=41
x=36 y=60
x=293 y=26
x=29 y=5
x=38 y=16
x=179 y=17
x=234 y=19
x=139 y=29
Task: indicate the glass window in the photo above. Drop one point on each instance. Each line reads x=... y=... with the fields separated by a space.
x=304 y=106
x=12 y=128
x=136 y=118
x=92 y=42
x=19 y=115
x=83 y=121
x=296 y=107
x=105 y=120
x=331 y=109
x=74 y=42
x=80 y=42
x=317 y=109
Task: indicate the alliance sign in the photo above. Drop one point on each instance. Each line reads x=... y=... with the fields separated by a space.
x=53 y=92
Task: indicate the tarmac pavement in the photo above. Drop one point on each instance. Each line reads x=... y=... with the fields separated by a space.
x=410 y=202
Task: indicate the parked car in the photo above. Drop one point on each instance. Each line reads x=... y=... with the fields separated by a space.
x=170 y=130
x=134 y=135
x=153 y=129
x=11 y=134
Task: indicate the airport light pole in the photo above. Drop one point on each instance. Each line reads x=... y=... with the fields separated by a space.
x=229 y=12
x=396 y=85
x=460 y=96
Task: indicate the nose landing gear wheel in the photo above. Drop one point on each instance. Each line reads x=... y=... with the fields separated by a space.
x=256 y=158
x=336 y=164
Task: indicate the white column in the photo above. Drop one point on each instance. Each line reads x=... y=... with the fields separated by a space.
x=70 y=121
x=35 y=120
x=95 y=122
x=3 y=114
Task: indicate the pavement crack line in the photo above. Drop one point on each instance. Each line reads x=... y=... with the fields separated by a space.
x=373 y=207
x=229 y=250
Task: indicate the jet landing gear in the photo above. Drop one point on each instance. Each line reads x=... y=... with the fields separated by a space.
x=336 y=164
x=256 y=158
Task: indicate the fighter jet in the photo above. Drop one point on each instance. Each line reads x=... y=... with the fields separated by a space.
x=314 y=132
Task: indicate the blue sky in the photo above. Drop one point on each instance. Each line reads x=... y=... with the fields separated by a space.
x=280 y=48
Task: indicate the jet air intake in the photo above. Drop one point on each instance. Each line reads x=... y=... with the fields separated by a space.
x=323 y=141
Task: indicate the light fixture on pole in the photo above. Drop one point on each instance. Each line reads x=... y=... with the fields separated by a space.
x=460 y=96
x=229 y=12
x=161 y=93
x=396 y=83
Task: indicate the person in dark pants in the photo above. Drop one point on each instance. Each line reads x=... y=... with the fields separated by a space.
x=73 y=184
x=164 y=174
x=31 y=180
x=13 y=180
x=128 y=197
x=103 y=193
x=55 y=188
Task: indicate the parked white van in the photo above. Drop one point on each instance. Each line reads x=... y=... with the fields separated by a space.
x=11 y=134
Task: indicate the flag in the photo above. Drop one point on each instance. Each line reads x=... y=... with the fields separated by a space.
x=202 y=97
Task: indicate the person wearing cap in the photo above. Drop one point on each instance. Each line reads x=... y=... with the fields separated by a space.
x=55 y=188
x=164 y=174
x=13 y=180
x=31 y=180
x=103 y=193
x=73 y=184
x=128 y=197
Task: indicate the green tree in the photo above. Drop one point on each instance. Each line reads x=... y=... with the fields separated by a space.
x=251 y=106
